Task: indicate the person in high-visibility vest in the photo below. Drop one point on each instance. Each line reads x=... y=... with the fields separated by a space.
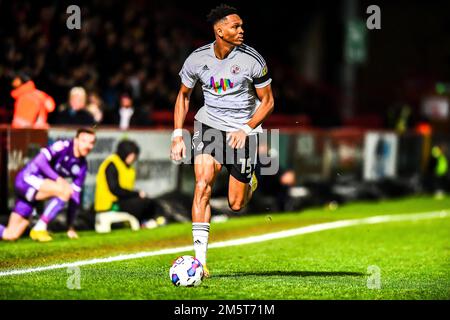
x=31 y=105
x=440 y=170
x=115 y=186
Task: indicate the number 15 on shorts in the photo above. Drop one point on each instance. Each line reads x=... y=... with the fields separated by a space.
x=246 y=166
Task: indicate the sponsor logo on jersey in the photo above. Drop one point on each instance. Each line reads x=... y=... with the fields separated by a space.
x=221 y=85
x=264 y=71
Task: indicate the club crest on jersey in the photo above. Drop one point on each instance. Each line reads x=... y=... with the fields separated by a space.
x=75 y=169
x=235 y=69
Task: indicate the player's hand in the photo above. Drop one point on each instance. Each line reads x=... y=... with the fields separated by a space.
x=72 y=234
x=178 y=150
x=142 y=194
x=236 y=139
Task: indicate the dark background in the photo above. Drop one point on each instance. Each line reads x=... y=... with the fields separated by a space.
x=303 y=45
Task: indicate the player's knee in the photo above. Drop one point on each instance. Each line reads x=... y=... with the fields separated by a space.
x=236 y=204
x=65 y=195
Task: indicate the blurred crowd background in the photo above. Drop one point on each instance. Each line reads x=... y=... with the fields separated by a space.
x=123 y=50
x=129 y=53
x=337 y=87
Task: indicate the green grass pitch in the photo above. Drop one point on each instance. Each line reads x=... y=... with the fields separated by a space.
x=413 y=259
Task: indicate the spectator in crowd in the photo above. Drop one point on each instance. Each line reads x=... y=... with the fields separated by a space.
x=95 y=107
x=31 y=105
x=74 y=112
x=115 y=186
x=129 y=116
x=138 y=46
x=103 y=55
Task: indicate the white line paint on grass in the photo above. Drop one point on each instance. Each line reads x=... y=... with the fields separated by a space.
x=242 y=241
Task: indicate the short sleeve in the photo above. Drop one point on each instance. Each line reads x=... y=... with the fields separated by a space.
x=188 y=74
x=260 y=74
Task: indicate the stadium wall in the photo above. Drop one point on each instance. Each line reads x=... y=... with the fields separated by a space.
x=314 y=155
x=155 y=172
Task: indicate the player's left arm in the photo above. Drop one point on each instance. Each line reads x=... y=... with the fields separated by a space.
x=237 y=139
x=265 y=108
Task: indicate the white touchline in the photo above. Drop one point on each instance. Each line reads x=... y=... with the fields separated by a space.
x=236 y=242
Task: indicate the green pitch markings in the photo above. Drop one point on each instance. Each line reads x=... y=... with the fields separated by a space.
x=404 y=259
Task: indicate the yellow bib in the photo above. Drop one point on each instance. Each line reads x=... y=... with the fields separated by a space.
x=104 y=199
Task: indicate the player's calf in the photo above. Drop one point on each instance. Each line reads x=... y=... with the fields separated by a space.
x=202 y=194
x=239 y=194
x=54 y=206
x=16 y=227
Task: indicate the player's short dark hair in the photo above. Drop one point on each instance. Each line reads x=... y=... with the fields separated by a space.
x=84 y=130
x=220 y=12
x=127 y=147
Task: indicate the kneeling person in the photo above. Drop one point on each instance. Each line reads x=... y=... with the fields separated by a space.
x=44 y=178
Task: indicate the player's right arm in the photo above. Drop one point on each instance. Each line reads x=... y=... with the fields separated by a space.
x=189 y=78
x=46 y=155
x=43 y=162
x=178 y=150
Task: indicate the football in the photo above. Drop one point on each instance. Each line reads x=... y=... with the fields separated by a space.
x=186 y=271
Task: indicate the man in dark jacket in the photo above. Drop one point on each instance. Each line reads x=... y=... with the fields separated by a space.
x=128 y=115
x=74 y=112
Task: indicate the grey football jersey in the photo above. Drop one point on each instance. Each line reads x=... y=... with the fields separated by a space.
x=228 y=85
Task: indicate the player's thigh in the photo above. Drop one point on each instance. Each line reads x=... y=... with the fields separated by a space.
x=26 y=187
x=206 y=168
x=48 y=189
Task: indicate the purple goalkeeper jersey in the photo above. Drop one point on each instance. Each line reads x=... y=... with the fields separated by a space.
x=58 y=160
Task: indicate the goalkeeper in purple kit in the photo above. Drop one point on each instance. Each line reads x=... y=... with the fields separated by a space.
x=44 y=178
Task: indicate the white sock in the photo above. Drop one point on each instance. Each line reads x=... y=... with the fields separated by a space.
x=200 y=234
x=40 y=226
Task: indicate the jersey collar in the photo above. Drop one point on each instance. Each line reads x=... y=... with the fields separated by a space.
x=230 y=55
